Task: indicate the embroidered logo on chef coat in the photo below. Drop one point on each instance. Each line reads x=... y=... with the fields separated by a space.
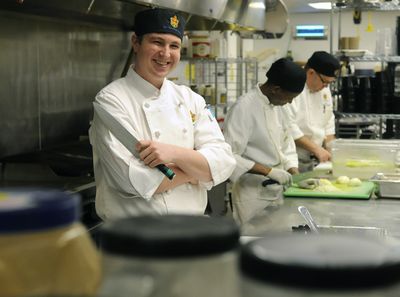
x=174 y=21
x=325 y=96
x=193 y=116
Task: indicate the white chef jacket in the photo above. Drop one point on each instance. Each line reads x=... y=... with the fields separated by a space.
x=257 y=132
x=311 y=114
x=174 y=115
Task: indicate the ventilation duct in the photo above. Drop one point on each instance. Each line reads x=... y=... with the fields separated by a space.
x=265 y=16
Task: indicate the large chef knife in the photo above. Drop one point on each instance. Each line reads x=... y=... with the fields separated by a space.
x=306 y=175
x=124 y=136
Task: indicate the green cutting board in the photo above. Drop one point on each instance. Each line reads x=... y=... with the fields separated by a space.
x=361 y=192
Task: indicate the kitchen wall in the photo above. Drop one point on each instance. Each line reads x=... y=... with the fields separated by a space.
x=50 y=73
x=302 y=49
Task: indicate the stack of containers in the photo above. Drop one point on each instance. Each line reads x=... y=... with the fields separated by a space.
x=44 y=249
x=334 y=265
x=171 y=255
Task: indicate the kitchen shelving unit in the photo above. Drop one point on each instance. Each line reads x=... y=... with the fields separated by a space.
x=222 y=81
x=358 y=125
x=368 y=125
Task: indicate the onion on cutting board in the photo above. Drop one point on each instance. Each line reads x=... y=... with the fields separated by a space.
x=345 y=180
x=355 y=182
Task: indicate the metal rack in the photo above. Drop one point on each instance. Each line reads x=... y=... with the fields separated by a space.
x=221 y=81
x=359 y=125
x=370 y=125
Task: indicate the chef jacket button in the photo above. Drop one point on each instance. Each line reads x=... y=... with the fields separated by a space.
x=184 y=130
x=157 y=134
x=147 y=105
x=168 y=192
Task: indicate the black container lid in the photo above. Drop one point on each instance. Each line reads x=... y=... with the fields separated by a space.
x=331 y=262
x=26 y=210
x=169 y=236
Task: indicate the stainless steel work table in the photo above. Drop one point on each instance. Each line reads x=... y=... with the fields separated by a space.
x=375 y=212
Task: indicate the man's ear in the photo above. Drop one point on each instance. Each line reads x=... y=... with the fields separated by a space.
x=134 y=42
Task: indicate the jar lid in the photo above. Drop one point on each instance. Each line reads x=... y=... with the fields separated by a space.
x=36 y=209
x=169 y=236
x=335 y=262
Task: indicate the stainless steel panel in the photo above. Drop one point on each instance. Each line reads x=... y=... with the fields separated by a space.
x=206 y=8
x=19 y=104
x=51 y=71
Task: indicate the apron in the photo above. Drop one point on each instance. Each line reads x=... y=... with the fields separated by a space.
x=306 y=163
x=250 y=198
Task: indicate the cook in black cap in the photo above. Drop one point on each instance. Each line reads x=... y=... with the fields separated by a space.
x=172 y=125
x=157 y=43
x=324 y=67
x=285 y=81
x=311 y=113
x=258 y=133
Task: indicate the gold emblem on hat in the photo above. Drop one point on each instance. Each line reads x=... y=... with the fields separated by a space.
x=174 y=21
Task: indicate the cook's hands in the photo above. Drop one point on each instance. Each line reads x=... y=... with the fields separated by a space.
x=322 y=155
x=310 y=183
x=281 y=176
x=154 y=153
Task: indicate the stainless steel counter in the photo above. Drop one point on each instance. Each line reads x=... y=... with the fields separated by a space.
x=376 y=212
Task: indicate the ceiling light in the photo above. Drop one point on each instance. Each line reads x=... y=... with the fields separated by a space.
x=321 y=5
x=257 y=5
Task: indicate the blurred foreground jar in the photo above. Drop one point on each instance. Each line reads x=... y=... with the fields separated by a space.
x=44 y=250
x=172 y=255
x=319 y=265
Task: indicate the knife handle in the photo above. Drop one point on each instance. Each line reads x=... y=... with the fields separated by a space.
x=268 y=182
x=168 y=172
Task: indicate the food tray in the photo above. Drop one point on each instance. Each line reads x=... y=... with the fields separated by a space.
x=389 y=184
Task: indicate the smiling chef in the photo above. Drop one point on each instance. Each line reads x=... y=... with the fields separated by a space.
x=173 y=127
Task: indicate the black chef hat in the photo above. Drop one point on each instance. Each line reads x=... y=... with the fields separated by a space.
x=324 y=63
x=159 y=21
x=287 y=75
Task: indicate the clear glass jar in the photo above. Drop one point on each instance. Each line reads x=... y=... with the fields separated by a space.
x=296 y=265
x=44 y=250
x=173 y=255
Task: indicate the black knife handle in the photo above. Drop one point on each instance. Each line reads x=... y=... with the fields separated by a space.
x=168 y=172
x=269 y=182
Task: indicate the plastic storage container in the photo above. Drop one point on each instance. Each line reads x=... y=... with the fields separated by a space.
x=44 y=250
x=171 y=255
x=296 y=265
x=363 y=158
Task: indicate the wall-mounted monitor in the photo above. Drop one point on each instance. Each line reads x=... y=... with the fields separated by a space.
x=310 y=32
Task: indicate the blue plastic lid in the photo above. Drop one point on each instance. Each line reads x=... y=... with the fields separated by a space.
x=37 y=209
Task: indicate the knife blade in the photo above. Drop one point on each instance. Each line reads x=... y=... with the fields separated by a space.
x=125 y=137
x=309 y=174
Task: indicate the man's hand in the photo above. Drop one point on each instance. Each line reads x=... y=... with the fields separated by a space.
x=310 y=183
x=281 y=176
x=154 y=153
x=322 y=155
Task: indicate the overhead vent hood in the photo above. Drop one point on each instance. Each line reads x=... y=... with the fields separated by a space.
x=267 y=17
x=368 y=4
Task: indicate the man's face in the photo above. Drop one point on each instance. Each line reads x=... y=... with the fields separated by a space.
x=316 y=81
x=156 y=56
x=281 y=97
